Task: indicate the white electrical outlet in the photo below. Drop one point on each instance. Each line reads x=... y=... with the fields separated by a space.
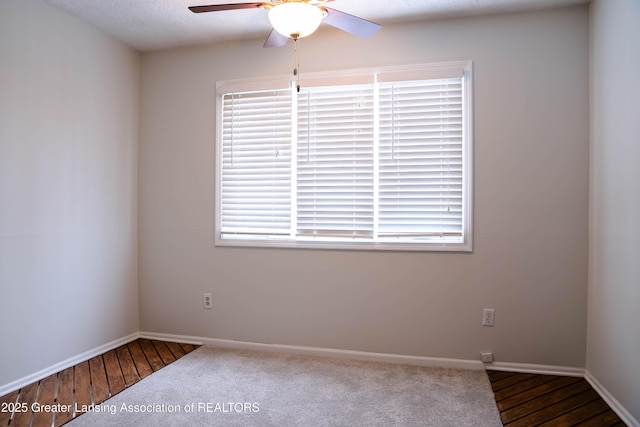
x=207 y=301
x=488 y=316
x=487 y=357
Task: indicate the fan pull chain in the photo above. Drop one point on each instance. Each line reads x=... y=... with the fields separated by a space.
x=296 y=66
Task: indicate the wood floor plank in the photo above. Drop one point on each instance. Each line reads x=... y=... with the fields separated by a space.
x=175 y=349
x=545 y=401
x=82 y=384
x=7 y=399
x=27 y=396
x=64 y=396
x=99 y=383
x=606 y=419
x=508 y=382
x=555 y=410
x=495 y=376
x=46 y=395
x=578 y=415
x=188 y=348
x=523 y=386
x=114 y=373
x=139 y=359
x=164 y=352
x=535 y=392
x=152 y=355
x=129 y=371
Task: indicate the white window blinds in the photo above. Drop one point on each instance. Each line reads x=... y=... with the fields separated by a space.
x=335 y=161
x=421 y=158
x=256 y=163
x=383 y=159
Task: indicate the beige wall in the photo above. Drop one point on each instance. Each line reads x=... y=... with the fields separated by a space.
x=613 y=350
x=68 y=188
x=531 y=203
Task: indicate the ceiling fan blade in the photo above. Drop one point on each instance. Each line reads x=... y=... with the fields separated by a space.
x=350 y=23
x=219 y=7
x=275 y=39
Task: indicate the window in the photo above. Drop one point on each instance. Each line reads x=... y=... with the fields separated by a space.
x=365 y=160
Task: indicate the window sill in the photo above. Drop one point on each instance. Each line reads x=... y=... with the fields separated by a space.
x=357 y=246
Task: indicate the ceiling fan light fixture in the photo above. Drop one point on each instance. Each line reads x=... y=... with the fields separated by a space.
x=295 y=19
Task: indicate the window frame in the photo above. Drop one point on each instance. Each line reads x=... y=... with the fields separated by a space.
x=412 y=72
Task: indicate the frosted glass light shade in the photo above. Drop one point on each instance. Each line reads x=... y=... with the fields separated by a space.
x=295 y=18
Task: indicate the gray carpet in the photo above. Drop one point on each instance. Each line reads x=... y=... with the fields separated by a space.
x=222 y=387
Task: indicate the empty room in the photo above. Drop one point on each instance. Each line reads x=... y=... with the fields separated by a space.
x=368 y=212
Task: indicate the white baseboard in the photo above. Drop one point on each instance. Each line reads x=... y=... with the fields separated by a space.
x=72 y=361
x=325 y=352
x=528 y=368
x=611 y=401
x=186 y=339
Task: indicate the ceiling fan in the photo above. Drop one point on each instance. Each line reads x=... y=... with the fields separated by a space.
x=298 y=18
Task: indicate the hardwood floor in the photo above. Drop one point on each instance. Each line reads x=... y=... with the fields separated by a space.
x=523 y=399
x=549 y=400
x=87 y=383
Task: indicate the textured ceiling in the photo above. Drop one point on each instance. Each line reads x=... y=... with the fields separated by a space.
x=149 y=25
